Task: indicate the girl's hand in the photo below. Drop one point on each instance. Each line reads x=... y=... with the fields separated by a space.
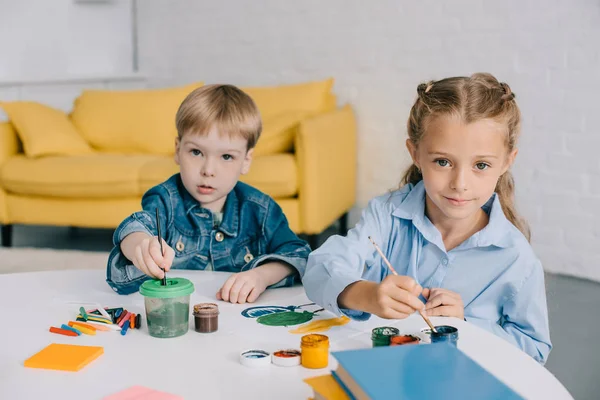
x=243 y=287
x=396 y=297
x=443 y=303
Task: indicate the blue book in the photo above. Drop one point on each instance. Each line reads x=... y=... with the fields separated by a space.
x=427 y=371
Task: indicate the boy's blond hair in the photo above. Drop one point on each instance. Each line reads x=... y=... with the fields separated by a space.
x=224 y=107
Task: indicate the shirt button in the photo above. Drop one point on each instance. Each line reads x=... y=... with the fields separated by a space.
x=445 y=261
x=219 y=236
x=179 y=245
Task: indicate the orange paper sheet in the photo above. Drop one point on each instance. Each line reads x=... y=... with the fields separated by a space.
x=64 y=357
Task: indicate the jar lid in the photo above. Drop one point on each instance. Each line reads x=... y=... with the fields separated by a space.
x=206 y=309
x=286 y=357
x=175 y=287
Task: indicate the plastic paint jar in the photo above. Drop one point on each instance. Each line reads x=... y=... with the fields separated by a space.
x=445 y=334
x=167 y=307
x=381 y=336
x=400 y=340
x=315 y=351
x=206 y=317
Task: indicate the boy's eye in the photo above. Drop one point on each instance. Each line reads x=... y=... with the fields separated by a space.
x=442 y=162
x=196 y=152
x=227 y=157
x=481 y=166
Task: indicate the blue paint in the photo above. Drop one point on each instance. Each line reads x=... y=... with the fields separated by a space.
x=445 y=334
x=255 y=354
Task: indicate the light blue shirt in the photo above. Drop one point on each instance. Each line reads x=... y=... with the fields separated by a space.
x=495 y=271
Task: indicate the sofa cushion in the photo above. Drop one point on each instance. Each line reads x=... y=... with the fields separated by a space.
x=90 y=176
x=138 y=121
x=278 y=133
x=311 y=97
x=44 y=130
x=275 y=174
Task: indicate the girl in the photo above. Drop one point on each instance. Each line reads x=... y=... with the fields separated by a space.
x=451 y=231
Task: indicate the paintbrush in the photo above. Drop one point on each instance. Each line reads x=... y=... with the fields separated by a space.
x=385 y=260
x=162 y=253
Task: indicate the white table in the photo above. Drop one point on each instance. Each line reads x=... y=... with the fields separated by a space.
x=198 y=365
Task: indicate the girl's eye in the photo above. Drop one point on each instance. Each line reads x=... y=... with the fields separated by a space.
x=442 y=162
x=481 y=166
x=227 y=157
x=196 y=152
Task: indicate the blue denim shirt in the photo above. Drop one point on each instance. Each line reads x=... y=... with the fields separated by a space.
x=254 y=231
x=495 y=271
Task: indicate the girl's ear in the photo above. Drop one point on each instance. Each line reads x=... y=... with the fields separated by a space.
x=412 y=149
x=510 y=159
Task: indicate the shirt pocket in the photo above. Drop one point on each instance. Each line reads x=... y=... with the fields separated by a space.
x=183 y=244
x=245 y=252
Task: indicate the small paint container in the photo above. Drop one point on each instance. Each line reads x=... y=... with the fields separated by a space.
x=315 y=351
x=401 y=340
x=255 y=358
x=445 y=334
x=381 y=336
x=286 y=358
x=206 y=317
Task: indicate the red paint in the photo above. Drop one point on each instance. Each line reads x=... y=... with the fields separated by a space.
x=287 y=353
x=403 y=339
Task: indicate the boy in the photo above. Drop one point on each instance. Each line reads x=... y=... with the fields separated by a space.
x=209 y=220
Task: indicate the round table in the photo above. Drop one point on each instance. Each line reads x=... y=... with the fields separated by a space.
x=198 y=365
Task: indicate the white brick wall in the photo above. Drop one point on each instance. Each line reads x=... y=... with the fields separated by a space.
x=42 y=39
x=379 y=51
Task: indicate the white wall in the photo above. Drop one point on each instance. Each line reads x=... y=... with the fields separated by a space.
x=379 y=51
x=51 y=50
x=41 y=39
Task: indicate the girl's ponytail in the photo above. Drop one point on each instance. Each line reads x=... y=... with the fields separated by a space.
x=505 y=188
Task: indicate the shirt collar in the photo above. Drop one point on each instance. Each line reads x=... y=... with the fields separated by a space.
x=230 y=223
x=496 y=232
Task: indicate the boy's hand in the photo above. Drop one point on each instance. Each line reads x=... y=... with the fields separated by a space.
x=243 y=287
x=144 y=252
x=443 y=303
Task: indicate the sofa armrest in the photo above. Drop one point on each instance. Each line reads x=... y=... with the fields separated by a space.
x=326 y=155
x=9 y=142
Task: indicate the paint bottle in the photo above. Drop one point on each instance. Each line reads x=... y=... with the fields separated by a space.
x=315 y=351
x=445 y=334
x=206 y=317
x=381 y=336
x=401 y=340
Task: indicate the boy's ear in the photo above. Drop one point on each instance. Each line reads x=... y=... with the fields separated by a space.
x=177 y=144
x=510 y=160
x=247 y=161
x=412 y=149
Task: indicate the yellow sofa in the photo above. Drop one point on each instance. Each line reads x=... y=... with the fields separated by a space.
x=90 y=168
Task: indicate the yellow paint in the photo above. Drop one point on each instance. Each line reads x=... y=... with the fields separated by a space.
x=321 y=325
x=315 y=351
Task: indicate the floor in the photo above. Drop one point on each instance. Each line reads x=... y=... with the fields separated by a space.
x=572 y=306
